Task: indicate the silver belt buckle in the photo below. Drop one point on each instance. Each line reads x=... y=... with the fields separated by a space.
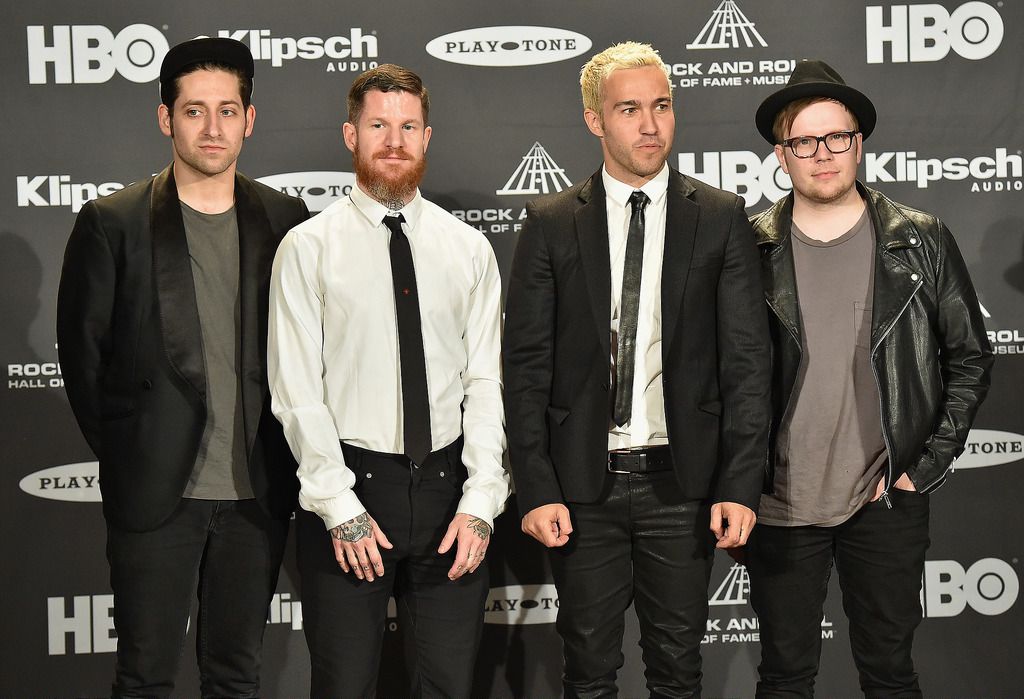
x=612 y=470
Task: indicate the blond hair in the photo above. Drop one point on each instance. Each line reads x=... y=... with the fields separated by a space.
x=628 y=54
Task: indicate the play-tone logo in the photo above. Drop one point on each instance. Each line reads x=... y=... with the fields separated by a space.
x=516 y=605
x=71 y=482
x=726 y=28
x=508 y=46
x=922 y=33
x=319 y=189
x=990 y=448
x=538 y=173
x=735 y=588
x=92 y=53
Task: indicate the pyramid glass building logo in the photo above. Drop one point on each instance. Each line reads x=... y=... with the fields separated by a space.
x=726 y=28
x=536 y=174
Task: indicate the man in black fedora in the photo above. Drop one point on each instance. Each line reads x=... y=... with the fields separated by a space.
x=881 y=362
x=162 y=325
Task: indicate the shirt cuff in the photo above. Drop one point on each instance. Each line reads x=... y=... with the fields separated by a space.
x=479 y=505
x=336 y=510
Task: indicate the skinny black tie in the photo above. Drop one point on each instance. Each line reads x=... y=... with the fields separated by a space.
x=416 y=405
x=629 y=306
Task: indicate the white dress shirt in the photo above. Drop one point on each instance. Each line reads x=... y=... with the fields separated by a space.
x=333 y=348
x=646 y=425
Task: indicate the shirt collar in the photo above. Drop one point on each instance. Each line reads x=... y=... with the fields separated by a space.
x=619 y=192
x=375 y=212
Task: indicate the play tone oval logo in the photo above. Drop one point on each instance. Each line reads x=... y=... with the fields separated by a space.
x=515 y=605
x=319 y=189
x=508 y=46
x=71 y=482
x=990 y=448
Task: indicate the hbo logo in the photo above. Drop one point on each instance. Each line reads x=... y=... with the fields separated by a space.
x=741 y=172
x=990 y=587
x=92 y=54
x=927 y=32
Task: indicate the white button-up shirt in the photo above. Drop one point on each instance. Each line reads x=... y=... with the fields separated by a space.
x=647 y=421
x=333 y=348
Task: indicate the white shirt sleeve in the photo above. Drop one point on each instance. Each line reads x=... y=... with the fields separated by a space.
x=298 y=391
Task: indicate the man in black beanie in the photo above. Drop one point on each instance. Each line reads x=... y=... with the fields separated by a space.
x=162 y=326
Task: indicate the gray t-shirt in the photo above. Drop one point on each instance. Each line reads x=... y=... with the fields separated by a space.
x=830 y=451
x=221 y=471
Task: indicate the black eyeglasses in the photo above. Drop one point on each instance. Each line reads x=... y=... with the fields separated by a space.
x=807 y=146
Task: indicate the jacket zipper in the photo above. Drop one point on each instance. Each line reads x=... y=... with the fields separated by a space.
x=881 y=407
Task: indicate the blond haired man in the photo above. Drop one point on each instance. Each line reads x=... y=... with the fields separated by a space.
x=636 y=376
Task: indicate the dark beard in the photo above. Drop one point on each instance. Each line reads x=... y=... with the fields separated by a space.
x=392 y=192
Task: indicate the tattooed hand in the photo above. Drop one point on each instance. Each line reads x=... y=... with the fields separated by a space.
x=355 y=546
x=472 y=536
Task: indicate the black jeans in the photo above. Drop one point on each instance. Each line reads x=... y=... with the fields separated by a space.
x=641 y=543
x=233 y=550
x=879 y=555
x=344 y=617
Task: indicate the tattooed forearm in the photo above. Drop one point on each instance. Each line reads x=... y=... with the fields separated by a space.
x=355 y=529
x=479 y=527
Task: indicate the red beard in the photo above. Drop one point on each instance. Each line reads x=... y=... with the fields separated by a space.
x=388 y=188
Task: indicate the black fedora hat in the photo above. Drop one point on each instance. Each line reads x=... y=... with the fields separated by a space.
x=204 y=49
x=815 y=79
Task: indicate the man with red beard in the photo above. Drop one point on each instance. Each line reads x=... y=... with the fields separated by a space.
x=384 y=363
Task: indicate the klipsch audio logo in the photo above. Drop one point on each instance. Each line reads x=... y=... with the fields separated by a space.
x=346 y=53
x=318 y=189
x=71 y=482
x=508 y=46
x=59 y=190
x=920 y=33
x=1002 y=171
x=92 y=53
x=516 y=605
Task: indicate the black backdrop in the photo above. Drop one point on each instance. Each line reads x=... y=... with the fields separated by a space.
x=78 y=120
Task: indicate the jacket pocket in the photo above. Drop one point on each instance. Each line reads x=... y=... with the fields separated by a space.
x=558 y=415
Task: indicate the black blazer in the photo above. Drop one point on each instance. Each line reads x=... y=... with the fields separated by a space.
x=131 y=352
x=715 y=347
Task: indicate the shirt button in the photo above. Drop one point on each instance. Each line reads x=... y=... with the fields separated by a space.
x=441 y=474
x=913 y=241
x=915 y=276
x=369 y=475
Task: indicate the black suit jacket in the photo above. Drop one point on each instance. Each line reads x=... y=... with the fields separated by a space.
x=131 y=351
x=715 y=347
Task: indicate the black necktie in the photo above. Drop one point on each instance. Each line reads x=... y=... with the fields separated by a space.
x=416 y=405
x=629 y=306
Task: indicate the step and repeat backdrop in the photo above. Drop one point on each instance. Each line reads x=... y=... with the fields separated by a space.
x=78 y=121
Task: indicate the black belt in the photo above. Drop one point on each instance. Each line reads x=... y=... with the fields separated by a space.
x=644 y=460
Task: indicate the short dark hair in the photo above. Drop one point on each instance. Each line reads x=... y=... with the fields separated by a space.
x=170 y=89
x=386 y=78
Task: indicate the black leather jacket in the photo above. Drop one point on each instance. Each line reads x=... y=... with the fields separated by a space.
x=929 y=353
